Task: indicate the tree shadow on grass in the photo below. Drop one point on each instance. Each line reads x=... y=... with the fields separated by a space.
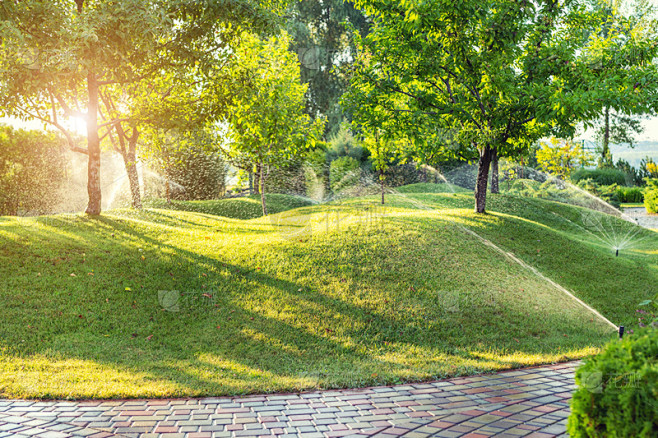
x=249 y=338
x=262 y=330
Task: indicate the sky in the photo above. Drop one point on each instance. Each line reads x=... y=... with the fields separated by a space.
x=650 y=131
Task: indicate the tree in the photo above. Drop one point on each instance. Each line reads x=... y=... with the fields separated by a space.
x=615 y=127
x=561 y=157
x=344 y=172
x=496 y=75
x=59 y=58
x=320 y=36
x=266 y=115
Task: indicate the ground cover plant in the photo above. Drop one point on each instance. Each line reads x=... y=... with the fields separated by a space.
x=163 y=303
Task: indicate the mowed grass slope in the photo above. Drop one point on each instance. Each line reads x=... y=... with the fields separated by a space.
x=324 y=296
x=247 y=207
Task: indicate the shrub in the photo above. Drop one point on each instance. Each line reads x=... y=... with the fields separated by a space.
x=617 y=393
x=343 y=173
x=635 y=175
x=651 y=195
x=603 y=177
x=202 y=174
x=402 y=175
x=632 y=195
x=33 y=168
x=344 y=144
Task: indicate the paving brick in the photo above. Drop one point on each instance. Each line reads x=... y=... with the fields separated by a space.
x=513 y=403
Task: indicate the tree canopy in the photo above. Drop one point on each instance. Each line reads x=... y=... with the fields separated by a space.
x=320 y=35
x=492 y=75
x=58 y=57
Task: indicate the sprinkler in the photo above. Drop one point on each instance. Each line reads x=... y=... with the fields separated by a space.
x=621 y=331
x=616 y=252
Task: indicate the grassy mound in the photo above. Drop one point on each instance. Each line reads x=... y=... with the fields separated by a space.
x=247 y=207
x=431 y=188
x=171 y=303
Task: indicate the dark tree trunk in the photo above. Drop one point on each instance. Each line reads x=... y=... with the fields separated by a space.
x=257 y=175
x=605 y=153
x=381 y=183
x=251 y=182
x=495 y=185
x=262 y=189
x=94 y=148
x=482 y=179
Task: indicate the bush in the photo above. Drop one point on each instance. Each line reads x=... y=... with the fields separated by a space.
x=344 y=144
x=651 y=195
x=202 y=174
x=287 y=180
x=607 y=193
x=630 y=195
x=33 y=168
x=617 y=393
x=343 y=173
x=603 y=177
x=402 y=175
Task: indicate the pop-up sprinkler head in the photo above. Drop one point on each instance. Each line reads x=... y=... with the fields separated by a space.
x=616 y=252
x=621 y=331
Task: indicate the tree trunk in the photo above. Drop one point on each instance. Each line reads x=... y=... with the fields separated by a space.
x=131 y=167
x=381 y=183
x=251 y=182
x=482 y=179
x=257 y=175
x=167 y=185
x=94 y=148
x=606 y=137
x=495 y=187
x=262 y=189
x=130 y=162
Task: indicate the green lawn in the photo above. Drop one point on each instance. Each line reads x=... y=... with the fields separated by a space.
x=430 y=188
x=632 y=205
x=248 y=207
x=325 y=296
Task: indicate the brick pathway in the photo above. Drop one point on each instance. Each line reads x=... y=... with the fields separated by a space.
x=529 y=402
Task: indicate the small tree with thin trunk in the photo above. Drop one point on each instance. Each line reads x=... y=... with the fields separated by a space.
x=267 y=122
